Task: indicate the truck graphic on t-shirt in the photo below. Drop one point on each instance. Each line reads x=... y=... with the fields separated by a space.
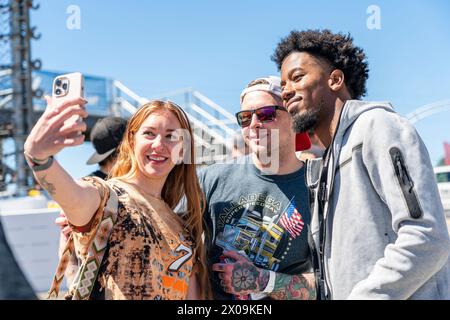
x=258 y=238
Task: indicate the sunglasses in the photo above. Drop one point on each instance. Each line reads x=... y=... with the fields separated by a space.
x=264 y=114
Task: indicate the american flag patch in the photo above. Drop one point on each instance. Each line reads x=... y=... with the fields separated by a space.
x=292 y=221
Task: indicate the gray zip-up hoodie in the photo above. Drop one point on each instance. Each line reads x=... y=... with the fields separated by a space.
x=385 y=231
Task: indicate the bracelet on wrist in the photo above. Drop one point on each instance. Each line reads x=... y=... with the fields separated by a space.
x=271 y=283
x=38 y=164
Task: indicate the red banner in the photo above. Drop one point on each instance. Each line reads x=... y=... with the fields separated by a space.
x=447 y=153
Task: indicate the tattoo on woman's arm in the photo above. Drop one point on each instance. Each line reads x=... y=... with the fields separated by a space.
x=293 y=287
x=47 y=185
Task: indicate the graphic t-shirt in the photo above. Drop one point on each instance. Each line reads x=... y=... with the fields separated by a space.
x=266 y=216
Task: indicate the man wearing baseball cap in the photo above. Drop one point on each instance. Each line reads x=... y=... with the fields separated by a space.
x=257 y=211
x=106 y=136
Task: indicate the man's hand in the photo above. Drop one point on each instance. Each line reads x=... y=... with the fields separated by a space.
x=240 y=277
x=62 y=221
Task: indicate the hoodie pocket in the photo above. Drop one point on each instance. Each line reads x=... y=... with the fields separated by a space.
x=406 y=183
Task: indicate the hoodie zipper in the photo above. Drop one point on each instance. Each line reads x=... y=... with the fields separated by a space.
x=406 y=183
x=323 y=196
x=323 y=225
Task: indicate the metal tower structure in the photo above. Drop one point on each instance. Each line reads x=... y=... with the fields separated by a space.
x=213 y=125
x=16 y=94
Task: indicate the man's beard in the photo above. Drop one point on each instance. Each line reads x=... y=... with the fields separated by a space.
x=308 y=120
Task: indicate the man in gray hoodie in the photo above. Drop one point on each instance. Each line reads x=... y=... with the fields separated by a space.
x=378 y=221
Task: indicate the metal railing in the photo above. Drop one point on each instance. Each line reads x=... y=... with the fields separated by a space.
x=428 y=110
x=214 y=127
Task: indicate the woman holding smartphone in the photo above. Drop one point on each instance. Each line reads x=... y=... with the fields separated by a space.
x=152 y=253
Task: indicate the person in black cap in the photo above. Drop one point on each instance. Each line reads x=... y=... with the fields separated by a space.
x=106 y=136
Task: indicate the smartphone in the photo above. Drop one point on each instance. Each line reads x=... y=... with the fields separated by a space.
x=65 y=87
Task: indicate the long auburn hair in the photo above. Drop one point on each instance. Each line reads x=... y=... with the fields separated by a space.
x=181 y=182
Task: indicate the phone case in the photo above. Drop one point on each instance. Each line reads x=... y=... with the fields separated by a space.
x=65 y=87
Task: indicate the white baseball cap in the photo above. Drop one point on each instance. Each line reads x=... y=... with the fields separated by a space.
x=272 y=85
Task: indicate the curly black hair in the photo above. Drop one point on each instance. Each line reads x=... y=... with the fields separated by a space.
x=337 y=49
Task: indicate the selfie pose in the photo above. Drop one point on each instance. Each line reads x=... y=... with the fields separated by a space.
x=151 y=252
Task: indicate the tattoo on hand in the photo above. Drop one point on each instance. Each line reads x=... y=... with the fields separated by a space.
x=279 y=295
x=294 y=287
x=263 y=279
x=47 y=186
x=244 y=277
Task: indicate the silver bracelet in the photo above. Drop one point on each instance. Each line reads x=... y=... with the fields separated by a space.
x=271 y=283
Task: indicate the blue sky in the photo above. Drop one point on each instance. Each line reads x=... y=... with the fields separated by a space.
x=217 y=47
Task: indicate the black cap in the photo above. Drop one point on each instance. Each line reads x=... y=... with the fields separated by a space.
x=106 y=136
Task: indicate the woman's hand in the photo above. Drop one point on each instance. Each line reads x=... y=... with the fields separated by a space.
x=50 y=135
